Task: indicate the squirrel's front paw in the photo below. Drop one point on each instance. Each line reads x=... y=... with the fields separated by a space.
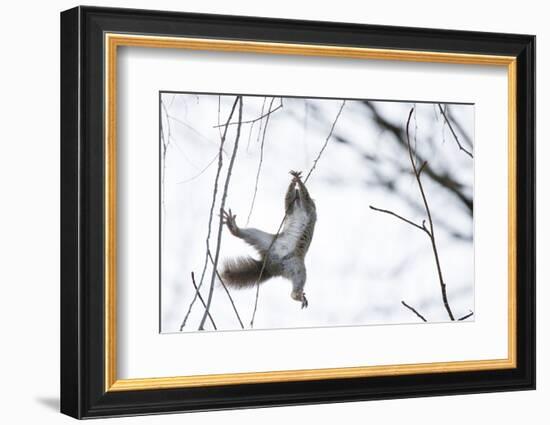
x=229 y=219
x=297 y=175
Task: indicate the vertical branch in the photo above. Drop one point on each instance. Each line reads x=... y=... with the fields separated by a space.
x=260 y=162
x=227 y=292
x=165 y=144
x=326 y=142
x=462 y=148
x=430 y=222
x=201 y=298
x=286 y=213
x=260 y=128
x=214 y=195
x=222 y=205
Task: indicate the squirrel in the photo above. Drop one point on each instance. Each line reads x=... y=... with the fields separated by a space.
x=282 y=257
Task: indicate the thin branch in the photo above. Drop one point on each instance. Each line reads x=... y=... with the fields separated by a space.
x=470 y=314
x=414 y=311
x=422 y=167
x=412 y=223
x=465 y=137
x=462 y=148
x=165 y=144
x=260 y=162
x=430 y=221
x=200 y=298
x=326 y=141
x=260 y=128
x=222 y=206
x=226 y=291
x=261 y=117
x=286 y=214
x=210 y=218
x=201 y=172
x=192 y=129
x=250 y=131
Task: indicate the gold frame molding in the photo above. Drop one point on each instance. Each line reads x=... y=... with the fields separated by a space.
x=113 y=41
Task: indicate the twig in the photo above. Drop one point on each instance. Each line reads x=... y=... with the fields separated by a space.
x=201 y=172
x=414 y=311
x=259 y=129
x=326 y=141
x=226 y=291
x=470 y=314
x=200 y=298
x=261 y=117
x=165 y=144
x=467 y=152
x=412 y=223
x=260 y=162
x=222 y=206
x=465 y=137
x=192 y=129
x=214 y=195
x=286 y=213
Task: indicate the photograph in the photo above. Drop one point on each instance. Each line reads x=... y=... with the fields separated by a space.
x=285 y=212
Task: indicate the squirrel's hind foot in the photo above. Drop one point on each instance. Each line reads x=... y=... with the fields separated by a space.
x=304 y=301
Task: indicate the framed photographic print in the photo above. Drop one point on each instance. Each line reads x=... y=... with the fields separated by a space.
x=261 y=212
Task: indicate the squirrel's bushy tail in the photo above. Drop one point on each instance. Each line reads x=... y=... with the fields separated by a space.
x=243 y=272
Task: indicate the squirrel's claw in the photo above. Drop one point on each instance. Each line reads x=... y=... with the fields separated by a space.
x=304 y=301
x=229 y=219
x=296 y=174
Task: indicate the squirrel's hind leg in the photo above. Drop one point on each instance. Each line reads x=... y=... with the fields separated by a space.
x=296 y=273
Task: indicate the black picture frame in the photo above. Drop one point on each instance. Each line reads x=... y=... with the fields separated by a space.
x=83 y=392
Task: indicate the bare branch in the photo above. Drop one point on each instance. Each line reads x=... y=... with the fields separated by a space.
x=326 y=141
x=430 y=231
x=465 y=137
x=414 y=311
x=200 y=173
x=286 y=213
x=210 y=218
x=412 y=223
x=260 y=128
x=200 y=298
x=165 y=144
x=428 y=213
x=467 y=152
x=268 y=114
x=422 y=167
x=470 y=314
x=261 y=117
x=192 y=129
x=226 y=291
x=222 y=206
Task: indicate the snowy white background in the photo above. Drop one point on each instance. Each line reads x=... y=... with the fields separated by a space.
x=361 y=263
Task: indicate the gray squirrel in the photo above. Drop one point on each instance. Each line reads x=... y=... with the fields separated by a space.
x=285 y=256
